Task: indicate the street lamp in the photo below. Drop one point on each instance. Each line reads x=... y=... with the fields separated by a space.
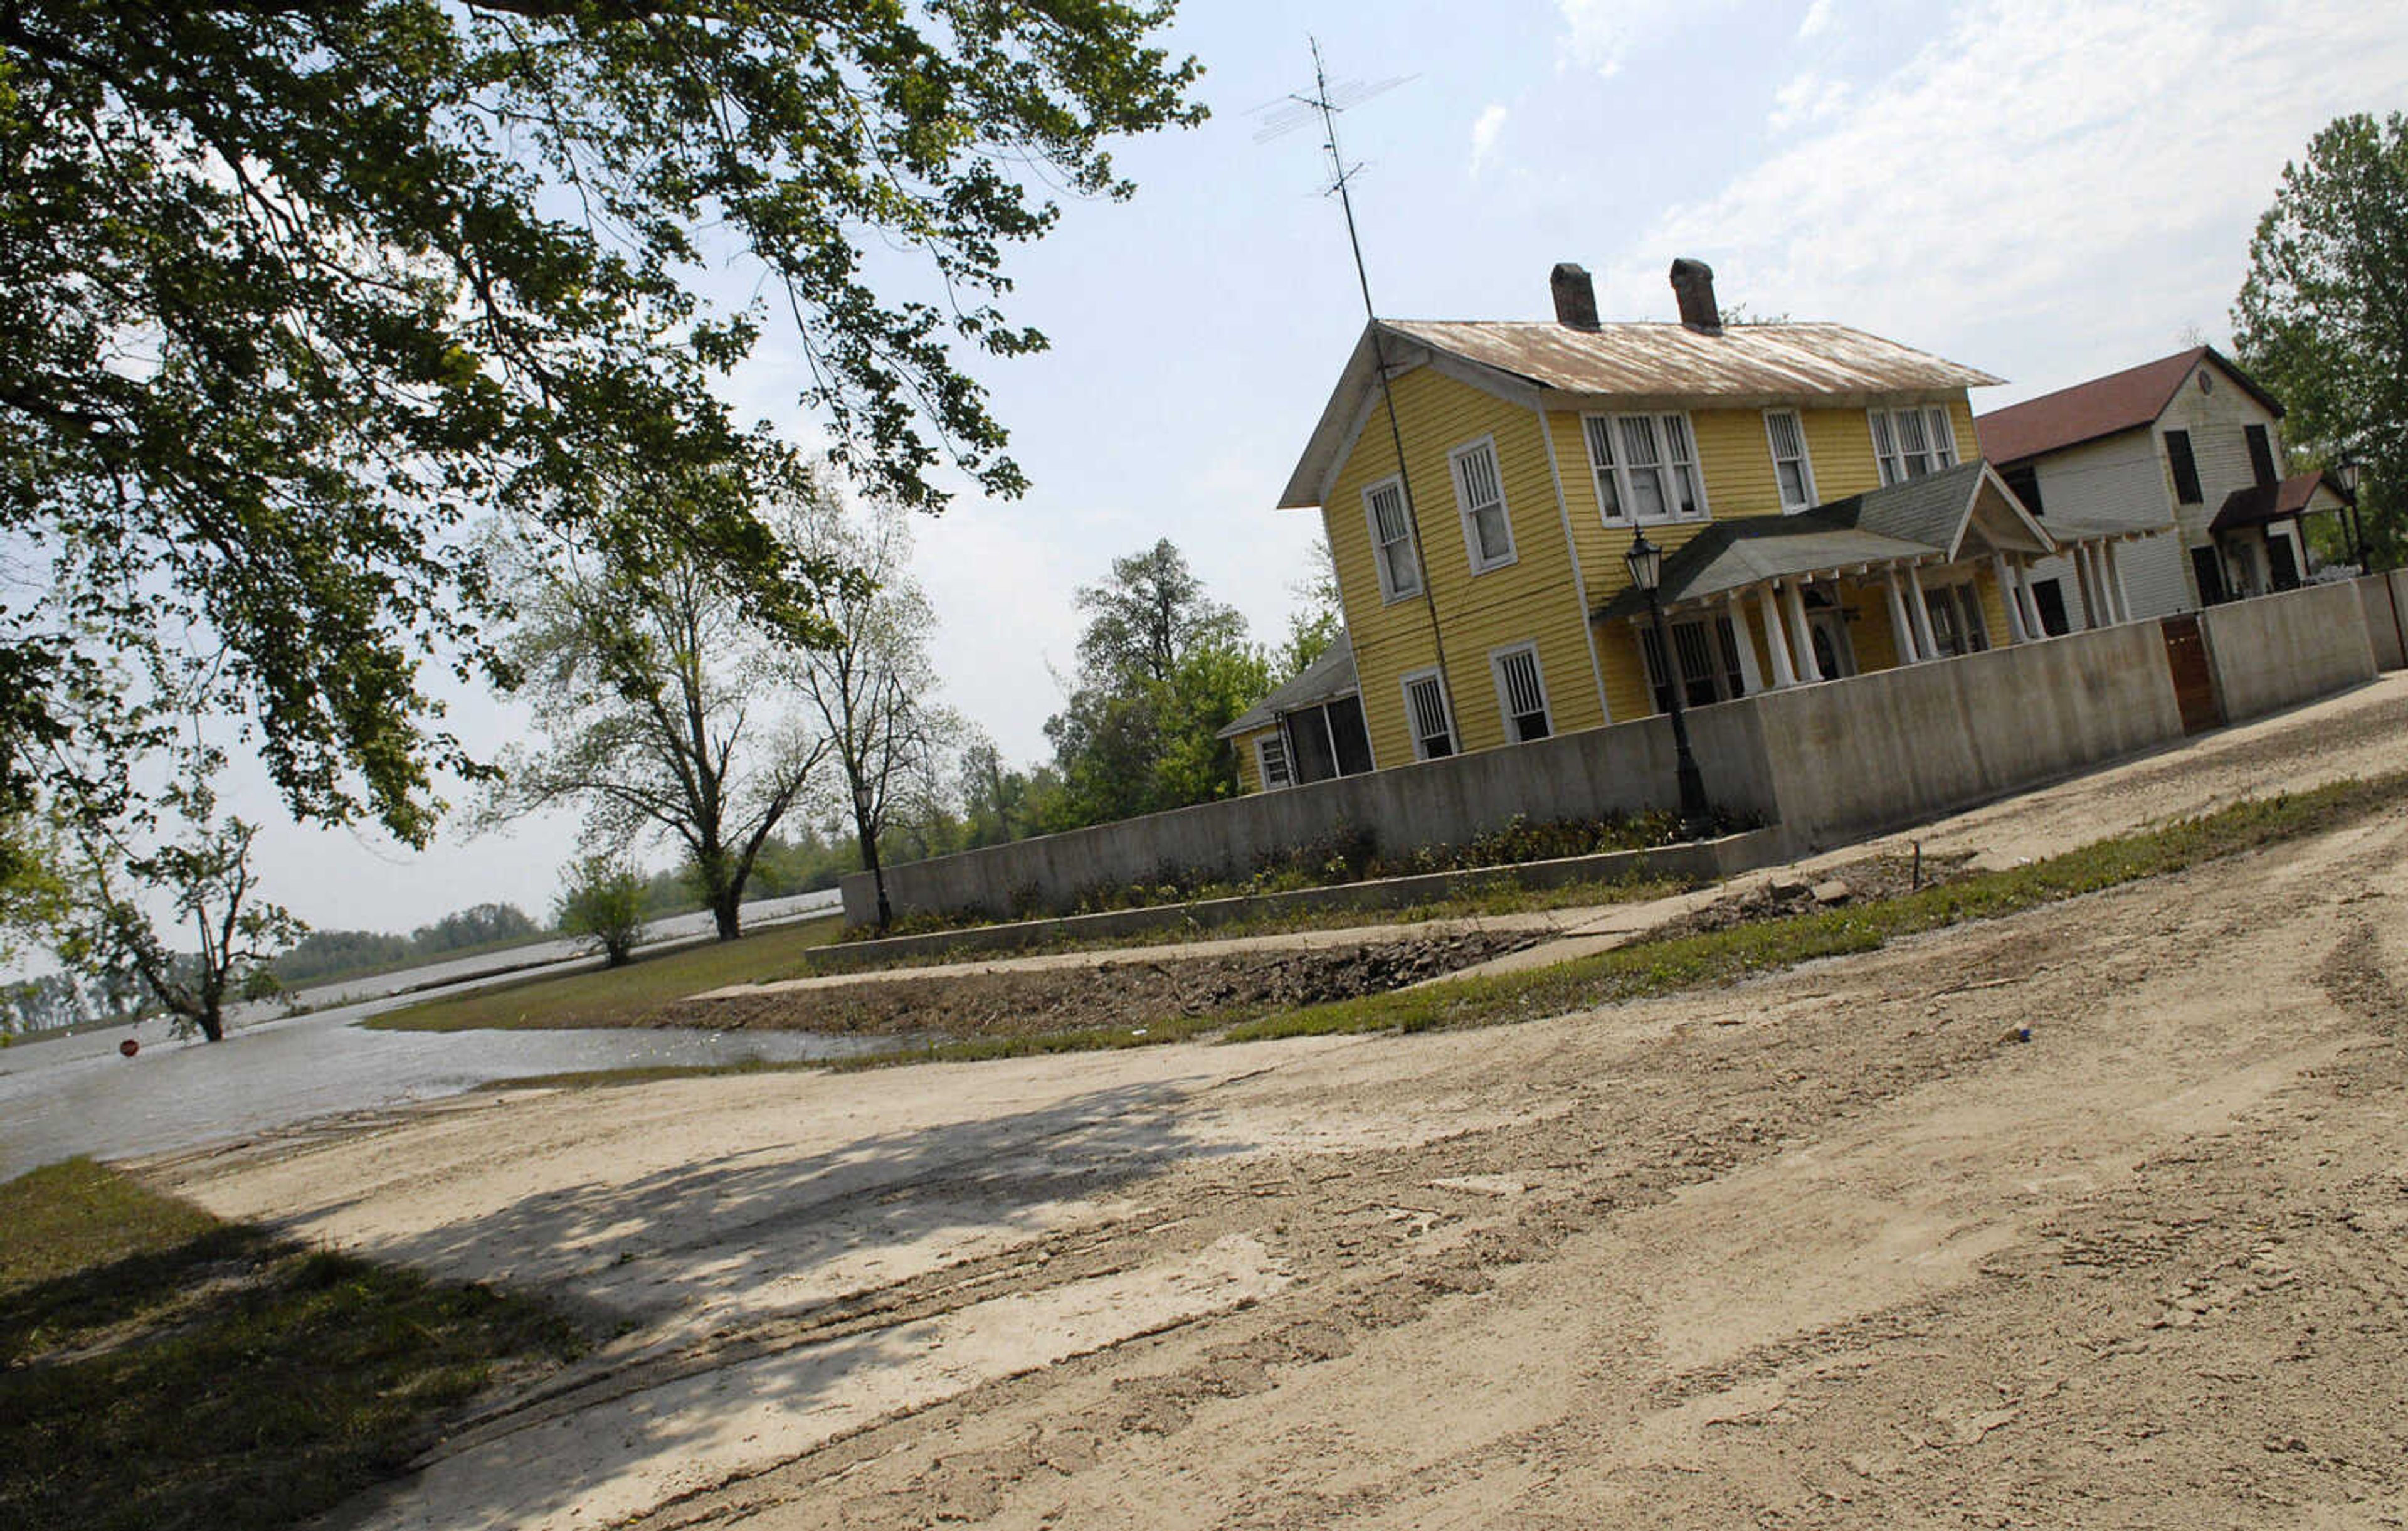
x=1646 y=564
x=2346 y=473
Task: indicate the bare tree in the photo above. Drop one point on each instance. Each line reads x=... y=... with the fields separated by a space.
x=176 y=846
x=666 y=710
x=870 y=688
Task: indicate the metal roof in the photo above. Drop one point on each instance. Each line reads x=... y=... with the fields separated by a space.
x=1324 y=680
x=1640 y=365
x=1768 y=361
x=2103 y=407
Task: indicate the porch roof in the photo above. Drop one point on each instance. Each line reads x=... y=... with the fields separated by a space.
x=2297 y=495
x=1919 y=520
x=1324 y=680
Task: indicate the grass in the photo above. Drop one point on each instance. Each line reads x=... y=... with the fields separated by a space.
x=1479 y=899
x=615 y=997
x=159 y=1369
x=1666 y=965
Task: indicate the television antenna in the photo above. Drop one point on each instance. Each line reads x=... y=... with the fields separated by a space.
x=1284 y=117
x=1291 y=112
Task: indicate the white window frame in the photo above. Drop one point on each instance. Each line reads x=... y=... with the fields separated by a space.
x=1505 y=711
x=1263 y=744
x=1622 y=513
x=1467 y=510
x=1445 y=705
x=1390 y=591
x=1935 y=423
x=1805 y=460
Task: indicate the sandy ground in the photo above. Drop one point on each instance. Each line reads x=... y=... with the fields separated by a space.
x=1833 y=1248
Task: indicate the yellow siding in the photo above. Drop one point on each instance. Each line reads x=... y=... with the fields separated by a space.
x=1249 y=771
x=1875 y=637
x=1532 y=599
x=1535 y=597
x=1993 y=607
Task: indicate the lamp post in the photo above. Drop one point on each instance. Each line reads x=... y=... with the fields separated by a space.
x=2346 y=473
x=1646 y=564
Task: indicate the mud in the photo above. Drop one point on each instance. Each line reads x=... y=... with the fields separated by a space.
x=1019 y=1002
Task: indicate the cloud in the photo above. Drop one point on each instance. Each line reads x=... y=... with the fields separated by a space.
x=1809 y=98
x=1602 y=33
x=1817 y=20
x=1484 y=132
x=2058 y=174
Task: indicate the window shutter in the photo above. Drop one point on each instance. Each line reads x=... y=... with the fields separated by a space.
x=2261 y=455
x=2185 y=467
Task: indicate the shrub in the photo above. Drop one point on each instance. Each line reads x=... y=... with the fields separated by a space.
x=603 y=905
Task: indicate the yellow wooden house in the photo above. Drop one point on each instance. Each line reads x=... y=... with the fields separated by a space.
x=1818 y=491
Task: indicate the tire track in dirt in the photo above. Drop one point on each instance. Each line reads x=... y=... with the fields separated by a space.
x=1383 y=1239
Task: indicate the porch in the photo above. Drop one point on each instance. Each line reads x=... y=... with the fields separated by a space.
x=1935 y=568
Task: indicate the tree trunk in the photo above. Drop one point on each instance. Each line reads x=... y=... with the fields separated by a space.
x=213 y=1022
x=726 y=905
x=877 y=873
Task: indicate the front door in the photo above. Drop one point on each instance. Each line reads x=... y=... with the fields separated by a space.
x=2285 y=566
x=1834 y=655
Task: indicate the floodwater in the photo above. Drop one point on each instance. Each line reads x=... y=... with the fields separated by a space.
x=65 y=1096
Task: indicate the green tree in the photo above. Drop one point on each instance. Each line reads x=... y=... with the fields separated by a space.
x=2322 y=319
x=289 y=294
x=1163 y=669
x=666 y=708
x=1147 y=617
x=602 y=904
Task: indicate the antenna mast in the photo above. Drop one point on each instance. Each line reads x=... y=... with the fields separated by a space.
x=1326 y=103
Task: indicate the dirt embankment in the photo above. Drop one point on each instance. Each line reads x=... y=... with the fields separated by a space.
x=1018 y=1002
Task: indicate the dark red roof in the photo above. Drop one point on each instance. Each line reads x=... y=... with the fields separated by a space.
x=2262 y=503
x=2119 y=402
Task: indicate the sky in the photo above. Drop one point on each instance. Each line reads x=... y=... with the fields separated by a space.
x=2045 y=191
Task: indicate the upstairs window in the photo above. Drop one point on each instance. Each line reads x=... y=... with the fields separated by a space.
x=1647 y=467
x=1428 y=715
x=2025 y=483
x=2185 y=467
x=2261 y=455
x=1480 y=494
x=1520 y=696
x=1392 y=539
x=1908 y=443
x=1790 y=466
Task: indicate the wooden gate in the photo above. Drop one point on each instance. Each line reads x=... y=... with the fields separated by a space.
x=2194 y=683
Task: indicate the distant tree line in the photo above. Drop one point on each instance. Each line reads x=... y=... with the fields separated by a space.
x=332 y=953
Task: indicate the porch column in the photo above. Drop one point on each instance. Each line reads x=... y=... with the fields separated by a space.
x=1776 y=642
x=1748 y=677
x=2116 y=581
x=1907 y=652
x=1923 y=638
x=1802 y=639
x=2032 y=624
x=2091 y=601
x=2004 y=573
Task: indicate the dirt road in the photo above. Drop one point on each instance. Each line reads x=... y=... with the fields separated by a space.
x=1835 y=1248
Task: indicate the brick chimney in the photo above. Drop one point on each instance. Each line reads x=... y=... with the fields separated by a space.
x=1693 y=283
x=1575 y=295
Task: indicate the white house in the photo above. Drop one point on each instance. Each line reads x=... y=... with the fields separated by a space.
x=2187 y=448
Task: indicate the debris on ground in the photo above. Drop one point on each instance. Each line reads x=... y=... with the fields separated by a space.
x=1019 y=1002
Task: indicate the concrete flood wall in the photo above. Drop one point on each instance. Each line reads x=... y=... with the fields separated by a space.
x=1626 y=769
x=2383 y=600
x=1826 y=763
x=1856 y=757
x=2276 y=651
